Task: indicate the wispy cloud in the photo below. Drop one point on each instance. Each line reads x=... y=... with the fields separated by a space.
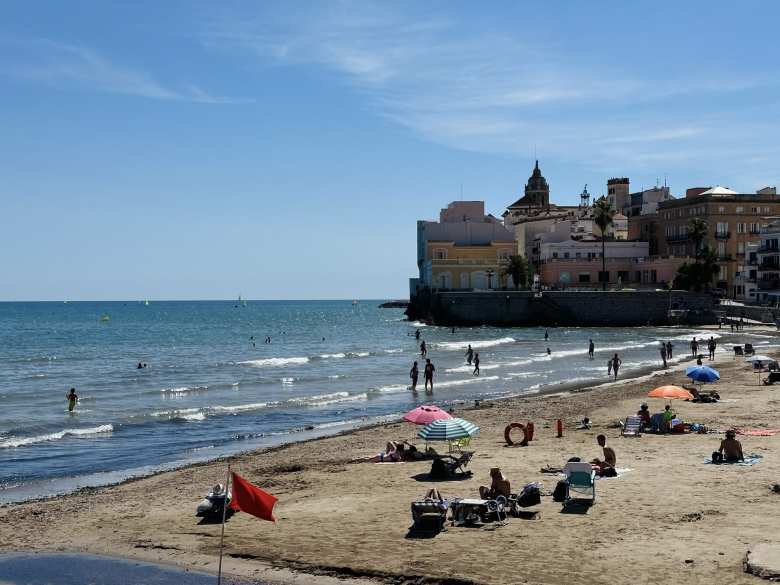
x=63 y=65
x=499 y=91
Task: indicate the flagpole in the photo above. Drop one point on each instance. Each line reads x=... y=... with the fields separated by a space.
x=222 y=535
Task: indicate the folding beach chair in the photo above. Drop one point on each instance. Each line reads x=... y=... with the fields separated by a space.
x=738 y=351
x=749 y=349
x=580 y=478
x=632 y=426
x=451 y=466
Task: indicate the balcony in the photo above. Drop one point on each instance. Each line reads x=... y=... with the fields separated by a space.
x=768 y=250
x=678 y=238
x=768 y=267
x=722 y=235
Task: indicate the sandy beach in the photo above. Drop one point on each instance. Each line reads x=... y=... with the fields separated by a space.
x=671 y=517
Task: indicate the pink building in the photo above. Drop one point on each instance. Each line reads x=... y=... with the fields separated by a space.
x=584 y=272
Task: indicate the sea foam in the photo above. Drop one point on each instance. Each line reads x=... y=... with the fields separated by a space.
x=22 y=441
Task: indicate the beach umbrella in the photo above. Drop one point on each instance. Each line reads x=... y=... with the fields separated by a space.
x=670 y=392
x=760 y=358
x=702 y=374
x=423 y=415
x=448 y=429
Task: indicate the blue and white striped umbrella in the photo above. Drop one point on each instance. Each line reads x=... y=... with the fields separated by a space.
x=449 y=429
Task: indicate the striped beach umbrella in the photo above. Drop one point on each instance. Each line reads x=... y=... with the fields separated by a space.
x=450 y=429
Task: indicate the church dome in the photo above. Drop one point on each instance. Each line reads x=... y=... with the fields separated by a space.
x=536 y=181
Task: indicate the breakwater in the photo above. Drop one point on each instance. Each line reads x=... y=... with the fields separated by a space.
x=571 y=308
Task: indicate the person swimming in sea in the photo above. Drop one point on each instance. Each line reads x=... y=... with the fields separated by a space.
x=72 y=398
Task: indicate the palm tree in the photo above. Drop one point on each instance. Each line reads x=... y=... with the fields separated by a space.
x=697 y=231
x=516 y=266
x=603 y=215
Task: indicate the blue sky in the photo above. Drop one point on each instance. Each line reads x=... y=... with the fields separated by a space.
x=285 y=150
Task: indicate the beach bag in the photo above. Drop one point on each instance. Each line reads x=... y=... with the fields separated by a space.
x=530 y=496
x=609 y=472
x=438 y=469
x=717 y=457
x=561 y=489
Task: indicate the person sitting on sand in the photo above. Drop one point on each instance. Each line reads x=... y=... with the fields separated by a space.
x=644 y=414
x=499 y=486
x=669 y=416
x=584 y=424
x=730 y=448
x=609 y=457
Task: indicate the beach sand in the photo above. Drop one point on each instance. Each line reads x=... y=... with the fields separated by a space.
x=671 y=518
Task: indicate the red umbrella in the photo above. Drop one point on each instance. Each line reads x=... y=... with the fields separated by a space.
x=423 y=415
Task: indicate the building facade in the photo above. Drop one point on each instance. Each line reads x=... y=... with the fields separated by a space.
x=465 y=249
x=767 y=266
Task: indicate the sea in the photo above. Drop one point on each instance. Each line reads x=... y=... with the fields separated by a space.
x=213 y=386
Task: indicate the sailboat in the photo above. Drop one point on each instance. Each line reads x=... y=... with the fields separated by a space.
x=241 y=302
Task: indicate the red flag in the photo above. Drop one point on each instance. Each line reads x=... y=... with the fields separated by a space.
x=252 y=500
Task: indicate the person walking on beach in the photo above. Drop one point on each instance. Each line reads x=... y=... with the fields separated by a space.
x=469 y=355
x=476 y=364
x=669 y=347
x=694 y=347
x=711 y=346
x=609 y=367
x=413 y=374
x=423 y=349
x=663 y=353
x=429 y=370
x=616 y=365
x=546 y=335
x=417 y=335
x=72 y=399
x=741 y=323
x=591 y=349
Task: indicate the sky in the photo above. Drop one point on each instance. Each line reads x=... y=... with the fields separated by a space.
x=285 y=150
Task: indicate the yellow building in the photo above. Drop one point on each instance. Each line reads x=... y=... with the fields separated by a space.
x=464 y=250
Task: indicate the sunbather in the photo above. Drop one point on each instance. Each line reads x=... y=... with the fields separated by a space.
x=731 y=449
x=393 y=453
x=644 y=414
x=499 y=486
x=610 y=459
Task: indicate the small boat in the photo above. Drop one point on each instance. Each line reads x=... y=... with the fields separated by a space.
x=104 y=318
x=213 y=504
x=354 y=302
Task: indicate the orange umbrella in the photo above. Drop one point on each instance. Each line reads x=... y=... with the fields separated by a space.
x=670 y=392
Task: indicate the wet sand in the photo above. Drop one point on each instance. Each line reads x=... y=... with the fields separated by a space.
x=669 y=516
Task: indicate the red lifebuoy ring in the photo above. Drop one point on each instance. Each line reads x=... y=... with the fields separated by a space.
x=508 y=433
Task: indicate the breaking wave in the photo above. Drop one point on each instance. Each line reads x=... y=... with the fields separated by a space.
x=21 y=441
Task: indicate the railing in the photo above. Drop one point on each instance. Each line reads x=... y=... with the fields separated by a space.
x=768 y=266
x=722 y=235
x=768 y=250
x=678 y=238
x=465 y=261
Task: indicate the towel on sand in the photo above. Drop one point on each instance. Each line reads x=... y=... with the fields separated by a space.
x=756 y=432
x=749 y=460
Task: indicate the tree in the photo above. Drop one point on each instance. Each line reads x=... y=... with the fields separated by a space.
x=700 y=274
x=516 y=266
x=603 y=215
x=697 y=231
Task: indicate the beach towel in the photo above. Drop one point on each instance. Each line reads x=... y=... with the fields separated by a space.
x=758 y=432
x=620 y=472
x=751 y=459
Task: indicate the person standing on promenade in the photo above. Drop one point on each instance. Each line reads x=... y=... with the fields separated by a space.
x=591 y=349
x=669 y=347
x=413 y=374
x=663 y=353
x=423 y=349
x=72 y=399
x=429 y=370
x=469 y=355
x=694 y=347
x=616 y=365
x=476 y=364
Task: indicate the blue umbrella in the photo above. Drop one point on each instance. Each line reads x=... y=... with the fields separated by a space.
x=448 y=429
x=702 y=374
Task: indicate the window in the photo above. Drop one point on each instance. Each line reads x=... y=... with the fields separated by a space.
x=555 y=254
x=723 y=273
x=503 y=254
x=577 y=255
x=754 y=228
x=740 y=209
x=722 y=227
x=740 y=247
x=721 y=249
x=440 y=254
x=740 y=228
x=565 y=254
x=584 y=277
x=755 y=209
x=766 y=210
x=721 y=209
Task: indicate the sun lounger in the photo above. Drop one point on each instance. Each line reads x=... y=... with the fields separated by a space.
x=749 y=349
x=738 y=351
x=580 y=479
x=632 y=426
x=450 y=466
x=773 y=378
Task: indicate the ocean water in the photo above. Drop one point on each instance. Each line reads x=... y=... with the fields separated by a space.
x=207 y=391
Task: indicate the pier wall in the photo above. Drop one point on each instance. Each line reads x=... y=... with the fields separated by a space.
x=591 y=308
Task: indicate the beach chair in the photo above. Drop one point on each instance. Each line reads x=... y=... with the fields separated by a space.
x=773 y=378
x=738 y=351
x=428 y=516
x=632 y=427
x=452 y=466
x=460 y=444
x=749 y=349
x=580 y=479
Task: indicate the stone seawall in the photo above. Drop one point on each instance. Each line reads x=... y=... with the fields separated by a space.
x=592 y=308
